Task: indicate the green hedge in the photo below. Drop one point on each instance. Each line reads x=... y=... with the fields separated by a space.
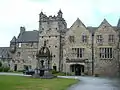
x=0 y=64
x=57 y=73
x=1 y=69
x=4 y=69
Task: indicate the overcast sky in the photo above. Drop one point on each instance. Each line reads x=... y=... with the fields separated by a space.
x=16 y=13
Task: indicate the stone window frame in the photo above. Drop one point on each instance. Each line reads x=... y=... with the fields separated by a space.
x=84 y=38
x=111 y=38
x=78 y=52
x=99 y=38
x=105 y=52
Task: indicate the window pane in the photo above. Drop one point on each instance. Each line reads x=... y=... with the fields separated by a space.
x=110 y=52
x=105 y=52
x=100 y=52
x=77 y=52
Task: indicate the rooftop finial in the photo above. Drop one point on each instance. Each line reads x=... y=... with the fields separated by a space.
x=60 y=13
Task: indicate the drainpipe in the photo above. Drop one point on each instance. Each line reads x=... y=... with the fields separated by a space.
x=60 y=54
x=92 y=53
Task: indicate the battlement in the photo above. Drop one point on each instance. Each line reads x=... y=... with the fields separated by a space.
x=44 y=18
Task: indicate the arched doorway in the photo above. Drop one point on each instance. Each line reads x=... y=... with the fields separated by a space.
x=77 y=69
x=15 y=67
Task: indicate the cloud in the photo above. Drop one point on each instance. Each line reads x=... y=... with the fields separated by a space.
x=16 y=13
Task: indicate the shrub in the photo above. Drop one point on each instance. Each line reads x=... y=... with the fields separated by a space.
x=10 y=70
x=20 y=70
x=6 y=69
x=0 y=63
x=1 y=69
x=54 y=72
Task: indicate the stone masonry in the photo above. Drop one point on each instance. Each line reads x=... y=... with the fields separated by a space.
x=71 y=48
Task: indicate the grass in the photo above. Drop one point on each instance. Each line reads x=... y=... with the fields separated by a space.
x=28 y=83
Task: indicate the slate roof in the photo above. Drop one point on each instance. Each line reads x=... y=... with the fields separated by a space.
x=5 y=53
x=28 y=36
x=13 y=40
x=118 y=25
x=92 y=29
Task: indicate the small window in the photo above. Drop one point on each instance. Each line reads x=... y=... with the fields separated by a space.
x=56 y=28
x=111 y=38
x=47 y=41
x=49 y=36
x=55 y=46
x=49 y=28
x=56 y=36
x=18 y=54
x=99 y=39
x=84 y=38
x=42 y=36
x=42 y=28
x=53 y=55
x=33 y=56
x=49 y=46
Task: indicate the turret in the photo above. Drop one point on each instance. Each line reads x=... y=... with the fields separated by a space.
x=60 y=14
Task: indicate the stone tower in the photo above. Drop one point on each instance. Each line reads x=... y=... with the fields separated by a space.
x=52 y=30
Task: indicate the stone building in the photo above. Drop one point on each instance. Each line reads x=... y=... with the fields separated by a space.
x=76 y=50
x=5 y=56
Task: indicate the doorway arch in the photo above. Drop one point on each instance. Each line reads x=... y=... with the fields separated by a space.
x=78 y=69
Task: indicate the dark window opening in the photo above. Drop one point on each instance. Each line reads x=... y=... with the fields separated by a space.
x=55 y=68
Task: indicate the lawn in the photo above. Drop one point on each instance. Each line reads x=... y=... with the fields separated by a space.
x=28 y=83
